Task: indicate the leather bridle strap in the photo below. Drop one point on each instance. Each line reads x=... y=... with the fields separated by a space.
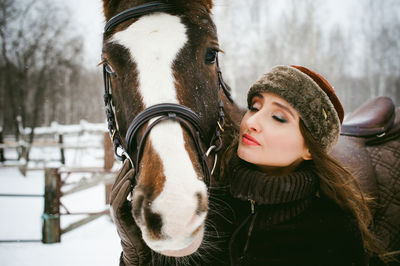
x=222 y=82
x=159 y=110
x=195 y=134
x=137 y=12
x=119 y=150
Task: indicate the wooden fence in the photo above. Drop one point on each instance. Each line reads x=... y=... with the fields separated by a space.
x=57 y=178
x=45 y=137
x=54 y=209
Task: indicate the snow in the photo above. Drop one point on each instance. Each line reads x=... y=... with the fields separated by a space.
x=95 y=243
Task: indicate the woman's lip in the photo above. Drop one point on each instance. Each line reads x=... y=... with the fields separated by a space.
x=249 y=140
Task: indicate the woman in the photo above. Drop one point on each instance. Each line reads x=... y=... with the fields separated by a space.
x=296 y=205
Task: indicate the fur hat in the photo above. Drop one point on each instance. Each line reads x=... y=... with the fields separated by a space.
x=310 y=95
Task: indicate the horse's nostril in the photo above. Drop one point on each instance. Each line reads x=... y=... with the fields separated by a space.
x=154 y=223
x=201 y=203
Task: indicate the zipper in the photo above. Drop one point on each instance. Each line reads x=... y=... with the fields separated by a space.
x=253 y=219
x=252 y=203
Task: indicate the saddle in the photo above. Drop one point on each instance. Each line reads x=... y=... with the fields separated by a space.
x=377 y=121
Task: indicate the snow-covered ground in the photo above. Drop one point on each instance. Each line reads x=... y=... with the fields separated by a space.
x=95 y=243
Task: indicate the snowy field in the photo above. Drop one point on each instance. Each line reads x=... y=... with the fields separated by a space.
x=95 y=243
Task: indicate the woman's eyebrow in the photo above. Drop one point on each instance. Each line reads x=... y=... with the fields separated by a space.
x=257 y=95
x=285 y=108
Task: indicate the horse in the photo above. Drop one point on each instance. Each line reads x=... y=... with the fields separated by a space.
x=167 y=107
x=369 y=146
x=169 y=112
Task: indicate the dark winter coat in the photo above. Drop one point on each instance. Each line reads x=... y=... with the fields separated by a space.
x=276 y=221
x=281 y=221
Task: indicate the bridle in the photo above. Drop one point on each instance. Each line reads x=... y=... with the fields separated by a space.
x=164 y=111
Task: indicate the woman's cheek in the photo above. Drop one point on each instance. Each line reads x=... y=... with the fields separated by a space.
x=283 y=143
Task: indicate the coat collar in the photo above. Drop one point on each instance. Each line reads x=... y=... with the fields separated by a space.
x=247 y=183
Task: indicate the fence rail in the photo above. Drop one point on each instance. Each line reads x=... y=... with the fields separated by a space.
x=23 y=195
x=14 y=145
x=20 y=240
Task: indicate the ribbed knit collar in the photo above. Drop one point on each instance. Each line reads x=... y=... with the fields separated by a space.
x=247 y=183
x=280 y=198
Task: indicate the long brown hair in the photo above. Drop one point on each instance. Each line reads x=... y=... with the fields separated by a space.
x=336 y=183
x=342 y=187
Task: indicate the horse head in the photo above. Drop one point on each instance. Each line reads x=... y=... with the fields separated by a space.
x=160 y=59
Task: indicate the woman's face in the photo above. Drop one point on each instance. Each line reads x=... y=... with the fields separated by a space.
x=270 y=135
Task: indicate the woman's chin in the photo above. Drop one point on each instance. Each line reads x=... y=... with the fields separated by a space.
x=186 y=251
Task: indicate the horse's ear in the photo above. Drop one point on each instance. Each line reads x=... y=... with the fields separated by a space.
x=208 y=5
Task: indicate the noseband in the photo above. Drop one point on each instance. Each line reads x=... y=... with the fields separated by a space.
x=160 y=112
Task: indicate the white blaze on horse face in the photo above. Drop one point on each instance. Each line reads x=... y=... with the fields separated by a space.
x=154 y=41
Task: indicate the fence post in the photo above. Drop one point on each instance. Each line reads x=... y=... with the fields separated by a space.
x=2 y=158
x=51 y=232
x=61 y=142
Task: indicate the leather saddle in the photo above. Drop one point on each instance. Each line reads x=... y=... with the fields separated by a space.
x=377 y=121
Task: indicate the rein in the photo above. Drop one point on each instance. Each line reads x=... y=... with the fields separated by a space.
x=164 y=111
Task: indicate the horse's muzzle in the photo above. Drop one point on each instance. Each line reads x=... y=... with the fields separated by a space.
x=172 y=226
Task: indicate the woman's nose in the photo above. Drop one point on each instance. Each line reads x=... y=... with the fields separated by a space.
x=253 y=123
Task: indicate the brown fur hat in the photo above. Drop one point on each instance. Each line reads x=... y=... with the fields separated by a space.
x=310 y=95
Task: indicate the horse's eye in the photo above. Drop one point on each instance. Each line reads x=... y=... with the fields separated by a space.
x=109 y=70
x=211 y=55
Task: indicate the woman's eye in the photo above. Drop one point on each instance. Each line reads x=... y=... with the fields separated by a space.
x=280 y=119
x=211 y=56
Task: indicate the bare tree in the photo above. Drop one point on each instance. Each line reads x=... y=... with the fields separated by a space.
x=8 y=13
x=381 y=35
x=39 y=51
